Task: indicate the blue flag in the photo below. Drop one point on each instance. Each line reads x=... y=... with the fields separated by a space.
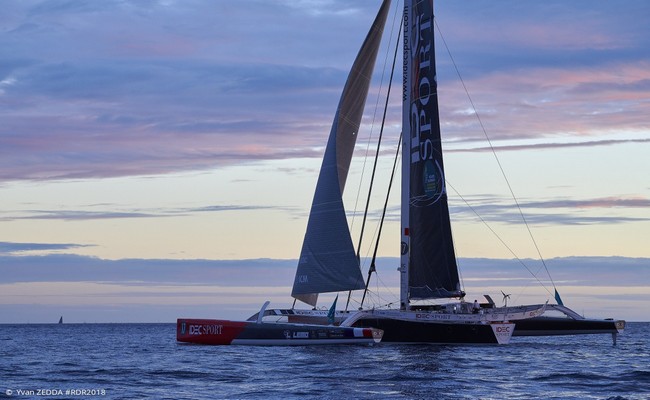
x=557 y=298
x=332 y=311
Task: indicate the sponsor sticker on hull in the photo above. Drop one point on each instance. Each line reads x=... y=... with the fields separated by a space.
x=503 y=332
x=208 y=331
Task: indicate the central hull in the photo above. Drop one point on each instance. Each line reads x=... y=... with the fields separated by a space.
x=414 y=332
x=493 y=326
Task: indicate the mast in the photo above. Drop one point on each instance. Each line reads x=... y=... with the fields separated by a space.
x=406 y=162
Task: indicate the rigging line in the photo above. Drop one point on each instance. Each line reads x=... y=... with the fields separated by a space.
x=363 y=224
x=388 y=289
x=377 y=296
x=453 y=243
x=460 y=272
x=370 y=248
x=374 y=116
x=523 y=289
x=497 y=235
x=374 y=170
x=381 y=133
x=503 y=173
x=381 y=222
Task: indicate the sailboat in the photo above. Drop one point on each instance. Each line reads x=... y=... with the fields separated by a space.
x=61 y=320
x=328 y=261
x=428 y=269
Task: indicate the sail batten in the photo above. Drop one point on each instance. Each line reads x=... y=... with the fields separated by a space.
x=328 y=261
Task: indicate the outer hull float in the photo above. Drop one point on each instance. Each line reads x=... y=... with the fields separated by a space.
x=561 y=320
x=223 y=332
x=550 y=326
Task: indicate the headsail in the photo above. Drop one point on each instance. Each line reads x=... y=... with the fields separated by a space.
x=427 y=241
x=327 y=261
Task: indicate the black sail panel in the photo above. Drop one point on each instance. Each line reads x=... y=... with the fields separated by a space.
x=432 y=270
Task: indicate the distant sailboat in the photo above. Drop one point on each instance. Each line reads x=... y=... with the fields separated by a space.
x=61 y=320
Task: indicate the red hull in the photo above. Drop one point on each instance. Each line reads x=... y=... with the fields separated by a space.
x=208 y=331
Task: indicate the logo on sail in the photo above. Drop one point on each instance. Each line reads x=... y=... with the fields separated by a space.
x=433 y=185
x=431 y=181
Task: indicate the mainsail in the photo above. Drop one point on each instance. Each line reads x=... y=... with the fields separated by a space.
x=427 y=246
x=327 y=261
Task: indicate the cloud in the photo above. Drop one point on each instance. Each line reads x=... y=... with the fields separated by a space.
x=536 y=146
x=604 y=202
x=538 y=212
x=121 y=88
x=74 y=268
x=549 y=33
x=100 y=121
x=77 y=215
x=94 y=108
x=15 y=268
x=543 y=103
x=553 y=211
x=85 y=215
x=17 y=248
x=148 y=290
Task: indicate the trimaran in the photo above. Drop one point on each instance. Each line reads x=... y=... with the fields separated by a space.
x=428 y=270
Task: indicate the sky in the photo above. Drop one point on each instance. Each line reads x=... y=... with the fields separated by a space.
x=158 y=158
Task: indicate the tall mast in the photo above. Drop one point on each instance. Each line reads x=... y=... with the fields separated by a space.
x=406 y=161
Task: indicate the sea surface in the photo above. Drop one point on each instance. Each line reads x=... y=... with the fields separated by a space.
x=144 y=361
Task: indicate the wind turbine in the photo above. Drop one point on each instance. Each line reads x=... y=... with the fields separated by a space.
x=505 y=298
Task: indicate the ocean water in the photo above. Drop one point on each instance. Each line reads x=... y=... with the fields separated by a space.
x=144 y=361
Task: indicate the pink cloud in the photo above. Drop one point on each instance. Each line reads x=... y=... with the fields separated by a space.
x=551 y=101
